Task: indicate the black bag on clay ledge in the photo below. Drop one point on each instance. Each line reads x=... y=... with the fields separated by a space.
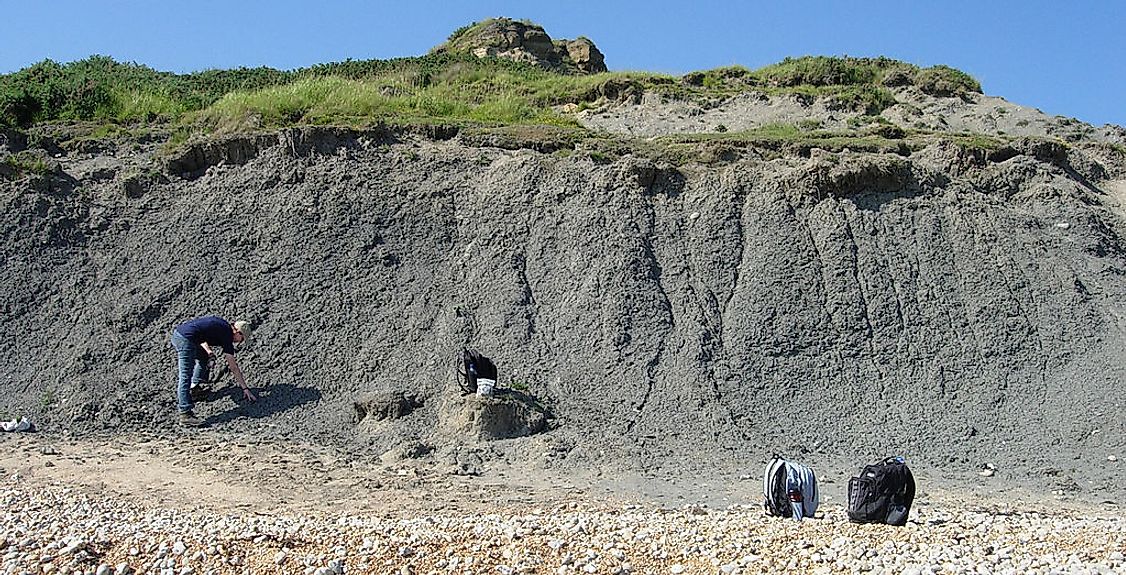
x=471 y=366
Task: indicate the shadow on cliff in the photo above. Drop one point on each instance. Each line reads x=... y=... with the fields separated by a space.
x=272 y=400
x=869 y=182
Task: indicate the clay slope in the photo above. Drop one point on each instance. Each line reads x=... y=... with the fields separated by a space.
x=949 y=306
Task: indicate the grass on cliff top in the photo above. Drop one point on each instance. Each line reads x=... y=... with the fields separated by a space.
x=495 y=92
x=446 y=88
x=463 y=96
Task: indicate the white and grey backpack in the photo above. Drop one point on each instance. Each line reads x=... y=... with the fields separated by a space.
x=789 y=489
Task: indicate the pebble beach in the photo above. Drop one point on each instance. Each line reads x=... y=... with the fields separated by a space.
x=54 y=530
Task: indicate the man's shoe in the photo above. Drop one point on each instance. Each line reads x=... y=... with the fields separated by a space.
x=188 y=419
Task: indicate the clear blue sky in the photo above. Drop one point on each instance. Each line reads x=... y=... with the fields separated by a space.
x=1064 y=57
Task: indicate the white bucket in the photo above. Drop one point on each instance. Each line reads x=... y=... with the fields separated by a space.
x=485 y=386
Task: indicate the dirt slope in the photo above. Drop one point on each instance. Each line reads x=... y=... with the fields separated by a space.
x=956 y=309
x=656 y=115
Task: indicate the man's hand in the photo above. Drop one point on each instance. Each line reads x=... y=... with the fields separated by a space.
x=249 y=396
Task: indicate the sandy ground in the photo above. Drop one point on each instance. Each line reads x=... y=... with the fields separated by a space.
x=208 y=471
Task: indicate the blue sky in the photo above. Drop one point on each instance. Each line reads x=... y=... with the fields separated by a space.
x=1065 y=58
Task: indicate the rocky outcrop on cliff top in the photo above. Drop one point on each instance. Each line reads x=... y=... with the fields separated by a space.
x=524 y=41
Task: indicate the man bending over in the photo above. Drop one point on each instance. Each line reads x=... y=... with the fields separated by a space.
x=193 y=341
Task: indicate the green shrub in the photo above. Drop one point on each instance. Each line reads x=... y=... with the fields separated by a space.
x=872 y=73
x=26 y=162
x=810 y=124
x=720 y=78
x=945 y=81
x=146 y=106
x=899 y=75
x=867 y=98
x=99 y=88
x=819 y=71
x=978 y=141
x=33 y=94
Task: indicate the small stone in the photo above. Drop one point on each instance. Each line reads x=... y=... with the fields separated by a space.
x=280 y=557
x=103 y=569
x=1111 y=458
x=123 y=569
x=406 y=552
x=676 y=569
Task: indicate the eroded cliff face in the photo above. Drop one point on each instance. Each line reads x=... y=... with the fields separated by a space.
x=946 y=305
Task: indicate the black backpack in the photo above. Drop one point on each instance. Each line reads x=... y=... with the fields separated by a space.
x=473 y=365
x=882 y=493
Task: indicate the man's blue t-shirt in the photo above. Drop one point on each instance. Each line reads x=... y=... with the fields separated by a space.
x=212 y=330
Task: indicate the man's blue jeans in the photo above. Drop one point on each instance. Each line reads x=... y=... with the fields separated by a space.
x=191 y=369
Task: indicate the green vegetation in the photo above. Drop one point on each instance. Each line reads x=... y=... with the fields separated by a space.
x=438 y=88
x=24 y=163
x=859 y=84
x=494 y=100
x=821 y=71
x=978 y=142
x=784 y=139
x=458 y=94
x=945 y=81
x=99 y=88
x=46 y=400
